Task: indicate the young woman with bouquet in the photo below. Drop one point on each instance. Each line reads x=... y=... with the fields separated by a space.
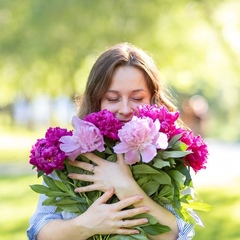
x=123 y=78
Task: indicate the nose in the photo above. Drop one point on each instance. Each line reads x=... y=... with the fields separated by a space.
x=125 y=108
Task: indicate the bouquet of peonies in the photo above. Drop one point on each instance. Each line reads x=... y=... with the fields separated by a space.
x=159 y=153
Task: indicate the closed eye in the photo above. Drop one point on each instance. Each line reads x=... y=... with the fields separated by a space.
x=113 y=99
x=137 y=99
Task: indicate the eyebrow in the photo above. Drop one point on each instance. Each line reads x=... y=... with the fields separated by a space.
x=136 y=90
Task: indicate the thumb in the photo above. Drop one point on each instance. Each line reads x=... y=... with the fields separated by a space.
x=120 y=158
x=106 y=196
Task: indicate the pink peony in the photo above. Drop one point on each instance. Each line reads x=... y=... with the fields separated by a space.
x=46 y=154
x=107 y=123
x=140 y=136
x=86 y=138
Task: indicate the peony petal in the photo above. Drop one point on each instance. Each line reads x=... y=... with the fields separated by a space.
x=68 y=144
x=148 y=153
x=132 y=157
x=76 y=122
x=162 y=141
x=156 y=125
x=73 y=155
x=121 y=148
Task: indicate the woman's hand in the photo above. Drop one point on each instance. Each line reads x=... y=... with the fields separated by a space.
x=105 y=175
x=102 y=218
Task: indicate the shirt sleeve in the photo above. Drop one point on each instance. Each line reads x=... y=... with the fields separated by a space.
x=186 y=230
x=41 y=217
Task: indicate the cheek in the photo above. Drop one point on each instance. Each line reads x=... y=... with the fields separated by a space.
x=109 y=107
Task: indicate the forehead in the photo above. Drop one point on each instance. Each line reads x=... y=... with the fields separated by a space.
x=128 y=78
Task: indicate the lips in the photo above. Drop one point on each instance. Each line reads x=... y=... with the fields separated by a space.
x=124 y=121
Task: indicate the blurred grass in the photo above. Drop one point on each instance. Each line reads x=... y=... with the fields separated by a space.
x=16 y=143
x=223 y=221
x=18 y=202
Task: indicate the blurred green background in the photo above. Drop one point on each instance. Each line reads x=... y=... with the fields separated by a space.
x=47 y=49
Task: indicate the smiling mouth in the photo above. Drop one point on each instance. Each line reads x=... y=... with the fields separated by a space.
x=124 y=121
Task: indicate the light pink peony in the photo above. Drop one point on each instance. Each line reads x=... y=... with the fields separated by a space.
x=140 y=136
x=85 y=138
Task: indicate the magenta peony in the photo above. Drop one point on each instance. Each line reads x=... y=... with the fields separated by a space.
x=166 y=118
x=198 y=158
x=140 y=138
x=86 y=138
x=46 y=154
x=107 y=123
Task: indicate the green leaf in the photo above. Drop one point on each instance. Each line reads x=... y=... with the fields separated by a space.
x=49 y=201
x=166 y=191
x=143 y=179
x=50 y=182
x=180 y=146
x=62 y=175
x=56 y=194
x=177 y=176
x=156 y=229
x=40 y=173
x=144 y=169
x=108 y=150
x=71 y=208
x=99 y=154
x=150 y=187
x=65 y=201
x=128 y=237
x=174 y=139
x=159 y=163
x=151 y=219
x=78 y=199
x=112 y=158
x=175 y=154
x=198 y=206
x=62 y=186
x=186 y=172
x=161 y=177
x=40 y=188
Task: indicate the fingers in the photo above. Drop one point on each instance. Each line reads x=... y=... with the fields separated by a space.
x=105 y=197
x=128 y=202
x=120 y=158
x=88 y=188
x=130 y=213
x=94 y=158
x=86 y=166
x=133 y=222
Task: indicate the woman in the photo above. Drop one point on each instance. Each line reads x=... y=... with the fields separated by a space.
x=122 y=78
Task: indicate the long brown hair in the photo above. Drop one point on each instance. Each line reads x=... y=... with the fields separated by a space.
x=100 y=76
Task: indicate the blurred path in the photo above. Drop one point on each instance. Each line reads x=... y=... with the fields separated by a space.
x=223 y=166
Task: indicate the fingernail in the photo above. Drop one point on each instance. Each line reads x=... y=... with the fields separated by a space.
x=140 y=197
x=146 y=208
x=145 y=220
x=70 y=175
